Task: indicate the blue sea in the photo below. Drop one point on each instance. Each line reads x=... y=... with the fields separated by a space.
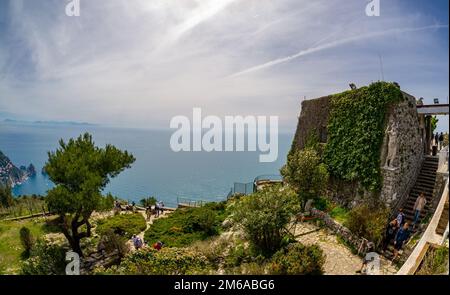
x=157 y=171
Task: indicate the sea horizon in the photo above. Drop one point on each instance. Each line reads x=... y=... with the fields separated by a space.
x=157 y=171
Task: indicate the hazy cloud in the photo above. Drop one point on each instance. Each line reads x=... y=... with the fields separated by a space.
x=138 y=63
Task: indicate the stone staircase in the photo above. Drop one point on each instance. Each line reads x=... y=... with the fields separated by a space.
x=425 y=183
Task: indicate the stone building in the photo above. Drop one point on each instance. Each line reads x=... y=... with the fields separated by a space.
x=401 y=154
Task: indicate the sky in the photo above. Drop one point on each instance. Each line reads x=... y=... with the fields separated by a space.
x=138 y=63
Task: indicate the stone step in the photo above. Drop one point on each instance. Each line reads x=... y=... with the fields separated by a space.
x=431 y=167
x=425 y=185
x=427 y=190
x=426 y=177
x=411 y=202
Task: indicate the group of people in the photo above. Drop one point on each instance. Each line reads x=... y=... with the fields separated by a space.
x=156 y=210
x=129 y=207
x=439 y=140
x=138 y=243
x=398 y=230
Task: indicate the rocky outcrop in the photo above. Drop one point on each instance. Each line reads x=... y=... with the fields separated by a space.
x=11 y=175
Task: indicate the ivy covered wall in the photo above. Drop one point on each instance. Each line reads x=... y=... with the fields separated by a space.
x=356 y=140
x=356 y=130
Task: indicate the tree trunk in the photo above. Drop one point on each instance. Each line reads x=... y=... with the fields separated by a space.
x=72 y=235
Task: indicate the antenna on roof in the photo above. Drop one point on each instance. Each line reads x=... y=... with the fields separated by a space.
x=381 y=67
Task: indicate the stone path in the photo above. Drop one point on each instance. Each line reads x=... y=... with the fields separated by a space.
x=339 y=259
x=149 y=222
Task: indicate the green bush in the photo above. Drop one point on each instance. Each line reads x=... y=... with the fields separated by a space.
x=322 y=204
x=298 y=259
x=110 y=242
x=340 y=214
x=356 y=130
x=435 y=262
x=368 y=221
x=106 y=203
x=45 y=259
x=26 y=239
x=125 y=225
x=305 y=173
x=187 y=225
x=146 y=202
x=264 y=217
x=167 y=261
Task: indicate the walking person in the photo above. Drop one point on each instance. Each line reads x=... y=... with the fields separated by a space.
x=391 y=231
x=400 y=217
x=436 y=138
x=441 y=140
x=419 y=205
x=400 y=238
x=157 y=209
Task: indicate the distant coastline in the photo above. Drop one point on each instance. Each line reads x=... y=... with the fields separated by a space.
x=71 y=123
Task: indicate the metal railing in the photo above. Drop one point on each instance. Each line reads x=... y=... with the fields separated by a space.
x=186 y=202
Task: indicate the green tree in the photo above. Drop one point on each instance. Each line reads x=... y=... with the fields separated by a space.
x=434 y=122
x=6 y=198
x=264 y=216
x=305 y=174
x=146 y=202
x=80 y=170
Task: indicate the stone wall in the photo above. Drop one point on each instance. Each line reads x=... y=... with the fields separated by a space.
x=358 y=243
x=313 y=118
x=400 y=176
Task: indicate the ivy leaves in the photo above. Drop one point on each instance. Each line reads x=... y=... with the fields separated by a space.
x=356 y=131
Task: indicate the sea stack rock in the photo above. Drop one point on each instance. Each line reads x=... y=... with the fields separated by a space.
x=31 y=171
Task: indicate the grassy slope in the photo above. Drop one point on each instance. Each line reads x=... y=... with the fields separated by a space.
x=10 y=246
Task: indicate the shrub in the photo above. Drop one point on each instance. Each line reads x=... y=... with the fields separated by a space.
x=187 y=225
x=111 y=242
x=27 y=240
x=435 y=262
x=106 y=203
x=146 y=202
x=322 y=204
x=368 y=221
x=125 y=225
x=340 y=214
x=45 y=259
x=167 y=261
x=305 y=173
x=298 y=259
x=264 y=217
x=202 y=219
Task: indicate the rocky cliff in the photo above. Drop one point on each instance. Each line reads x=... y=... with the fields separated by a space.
x=10 y=174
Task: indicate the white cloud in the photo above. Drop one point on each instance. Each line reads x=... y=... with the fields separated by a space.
x=138 y=63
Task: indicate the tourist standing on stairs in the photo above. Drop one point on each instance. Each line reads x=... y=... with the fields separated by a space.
x=400 y=218
x=441 y=140
x=421 y=201
x=391 y=231
x=400 y=239
x=436 y=139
